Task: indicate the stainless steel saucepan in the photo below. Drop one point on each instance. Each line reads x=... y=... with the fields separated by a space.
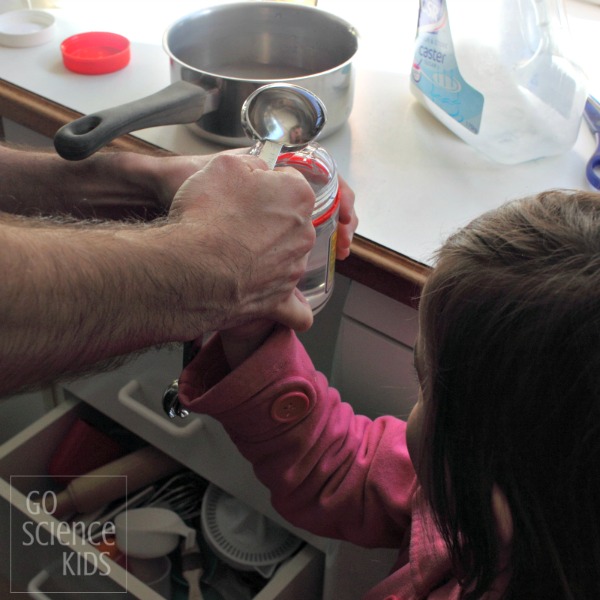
x=218 y=57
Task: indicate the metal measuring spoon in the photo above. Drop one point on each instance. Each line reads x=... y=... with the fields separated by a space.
x=282 y=115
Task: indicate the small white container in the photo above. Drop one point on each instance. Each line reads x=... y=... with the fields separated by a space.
x=24 y=28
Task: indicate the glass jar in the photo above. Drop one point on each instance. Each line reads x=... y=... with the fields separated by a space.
x=319 y=169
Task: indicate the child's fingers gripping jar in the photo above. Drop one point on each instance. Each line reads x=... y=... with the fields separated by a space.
x=319 y=169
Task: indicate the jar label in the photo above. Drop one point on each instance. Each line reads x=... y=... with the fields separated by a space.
x=435 y=70
x=331 y=261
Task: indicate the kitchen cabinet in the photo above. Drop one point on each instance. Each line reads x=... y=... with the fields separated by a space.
x=373 y=364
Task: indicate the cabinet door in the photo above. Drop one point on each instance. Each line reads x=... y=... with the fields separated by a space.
x=373 y=365
x=373 y=372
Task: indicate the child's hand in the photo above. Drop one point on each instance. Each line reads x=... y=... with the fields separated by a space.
x=241 y=341
x=348 y=221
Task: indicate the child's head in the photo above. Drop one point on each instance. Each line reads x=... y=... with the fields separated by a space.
x=509 y=354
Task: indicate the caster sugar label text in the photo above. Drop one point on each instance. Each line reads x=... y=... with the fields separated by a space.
x=435 y=71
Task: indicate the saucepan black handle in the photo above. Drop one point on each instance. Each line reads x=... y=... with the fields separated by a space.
x=180 y=102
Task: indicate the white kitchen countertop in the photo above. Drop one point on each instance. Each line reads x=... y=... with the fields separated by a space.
x=415 y=182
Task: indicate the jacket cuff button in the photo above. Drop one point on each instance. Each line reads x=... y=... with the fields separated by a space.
x=290 y=407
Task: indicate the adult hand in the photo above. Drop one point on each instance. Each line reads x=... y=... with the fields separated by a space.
x=253 y=227
x=241 y=341
x=172 y=171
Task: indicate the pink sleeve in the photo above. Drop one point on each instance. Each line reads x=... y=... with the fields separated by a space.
x=330 y=471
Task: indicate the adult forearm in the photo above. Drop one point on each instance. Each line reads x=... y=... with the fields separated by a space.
x=230 y=251
x=107 y=185
x=72 y=296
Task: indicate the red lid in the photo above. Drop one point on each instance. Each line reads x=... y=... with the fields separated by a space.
x=95 y=52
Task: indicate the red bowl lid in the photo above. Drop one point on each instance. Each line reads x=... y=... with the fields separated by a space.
x=95 y=52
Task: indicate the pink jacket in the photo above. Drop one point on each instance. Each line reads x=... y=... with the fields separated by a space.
x=330 y=471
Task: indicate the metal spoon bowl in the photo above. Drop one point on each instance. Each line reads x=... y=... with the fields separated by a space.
x=282 y=116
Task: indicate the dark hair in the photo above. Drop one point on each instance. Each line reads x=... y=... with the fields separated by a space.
x=510 y=345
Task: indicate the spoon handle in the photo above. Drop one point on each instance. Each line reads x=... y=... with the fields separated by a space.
x=270 y=152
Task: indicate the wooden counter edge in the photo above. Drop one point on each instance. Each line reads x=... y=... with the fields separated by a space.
x=46 y=117
x=371 y=264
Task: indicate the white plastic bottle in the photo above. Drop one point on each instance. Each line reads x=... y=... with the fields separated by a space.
x=498 y=74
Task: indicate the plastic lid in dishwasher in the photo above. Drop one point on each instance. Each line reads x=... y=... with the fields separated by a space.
x=242 y=537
